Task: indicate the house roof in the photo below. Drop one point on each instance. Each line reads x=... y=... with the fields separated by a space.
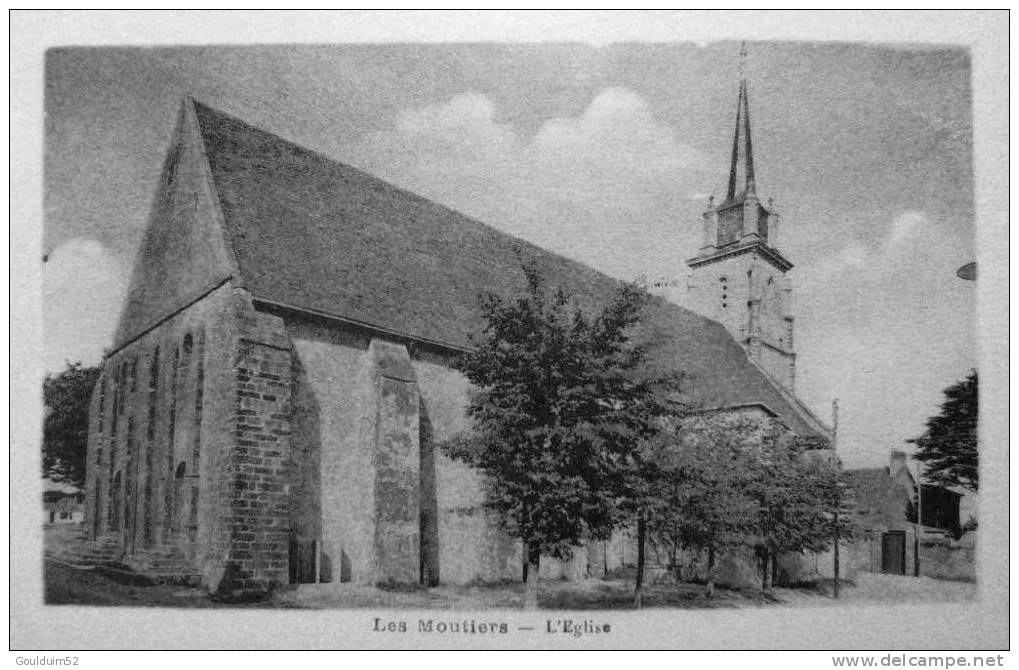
x=311 y=233
x=878 y=498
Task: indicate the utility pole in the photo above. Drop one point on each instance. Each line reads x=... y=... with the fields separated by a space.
x=838 y=501
x=918 y=528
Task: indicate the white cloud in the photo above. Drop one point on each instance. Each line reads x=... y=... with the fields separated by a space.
x=906 y=228
x=83 y=287
x=887 y=257
x=607 y=180
x=615 y=149
x=464 y=126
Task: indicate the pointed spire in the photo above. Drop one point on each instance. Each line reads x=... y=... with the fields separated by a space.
x=742 y=147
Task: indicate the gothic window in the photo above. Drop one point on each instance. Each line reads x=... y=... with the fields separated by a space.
x=96 y=498
x=113 y=430
x=199 y=383
x=134 y=374
x=178 y=495
x=122 y=386
x=102 y=403
x=114 y=502
x=130 y=479
x=153 y=387
x=188 y=346
x=170 y=430
x=147 y=512
x=193 y=515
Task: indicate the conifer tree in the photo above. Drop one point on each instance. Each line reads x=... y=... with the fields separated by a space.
x=948 y=448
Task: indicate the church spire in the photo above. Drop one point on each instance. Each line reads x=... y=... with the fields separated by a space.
x=742 y=147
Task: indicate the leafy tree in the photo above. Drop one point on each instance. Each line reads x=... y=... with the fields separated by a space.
x=66 y=396
x=798 y=490
x=704 y=483
x=559 y=411
x=948 y=448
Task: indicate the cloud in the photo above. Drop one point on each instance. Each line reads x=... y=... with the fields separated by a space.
x=614 y=149
x=906 y=228
x=612 y=174
x=902 y=247
x=463 y=128
x=83 y=287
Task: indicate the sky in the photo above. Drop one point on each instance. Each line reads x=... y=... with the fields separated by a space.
x=605 y=154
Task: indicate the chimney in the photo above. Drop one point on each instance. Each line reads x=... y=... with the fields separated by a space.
x=898 y=462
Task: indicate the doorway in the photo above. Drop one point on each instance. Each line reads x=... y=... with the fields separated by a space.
x=893 y=552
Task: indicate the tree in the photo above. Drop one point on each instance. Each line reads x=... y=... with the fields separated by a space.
x=948 y=448
x=704 y=483
x=66 y=396
x=799 y=491
x=559 y=409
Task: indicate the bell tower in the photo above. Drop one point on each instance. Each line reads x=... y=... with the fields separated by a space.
x=738 y=276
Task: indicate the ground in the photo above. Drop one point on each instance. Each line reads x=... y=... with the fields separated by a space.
x=70 y=586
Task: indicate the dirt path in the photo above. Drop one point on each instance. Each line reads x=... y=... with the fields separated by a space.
x=69 y=586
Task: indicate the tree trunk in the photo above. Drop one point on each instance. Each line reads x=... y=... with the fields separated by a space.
x=641 y=541
x=774 y=569
x=709 y=588
x=532 y=560
x=835 y=582
x=765 y=570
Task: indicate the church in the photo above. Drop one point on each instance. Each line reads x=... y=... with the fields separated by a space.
x=270 y=409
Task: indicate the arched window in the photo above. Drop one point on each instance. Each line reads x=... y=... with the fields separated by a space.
x=168 y=488
x=114 y=502
x=178 y=495
x=148 y=513
x=121 y=387
x=102 y=403
x=193 y=515
x=150 y=430
x=130 y=479
x=199 y=384
x=188 y=347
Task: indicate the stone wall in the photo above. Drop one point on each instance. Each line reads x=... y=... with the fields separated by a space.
x=370 y=406
x=754 y=311
x=267 y=447
x=256 y=474
x=189 y=455
x=471 y=547
x=148 y=435
x=396 y=464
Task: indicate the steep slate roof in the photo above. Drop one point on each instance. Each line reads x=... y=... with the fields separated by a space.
x=311 y=233
x=878 y=498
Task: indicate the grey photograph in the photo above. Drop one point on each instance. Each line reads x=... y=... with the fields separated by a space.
x=428 y=332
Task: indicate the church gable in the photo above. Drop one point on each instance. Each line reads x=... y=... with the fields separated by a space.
x=183 y=255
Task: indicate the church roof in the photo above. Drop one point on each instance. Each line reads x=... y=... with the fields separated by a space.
x=313 y=234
